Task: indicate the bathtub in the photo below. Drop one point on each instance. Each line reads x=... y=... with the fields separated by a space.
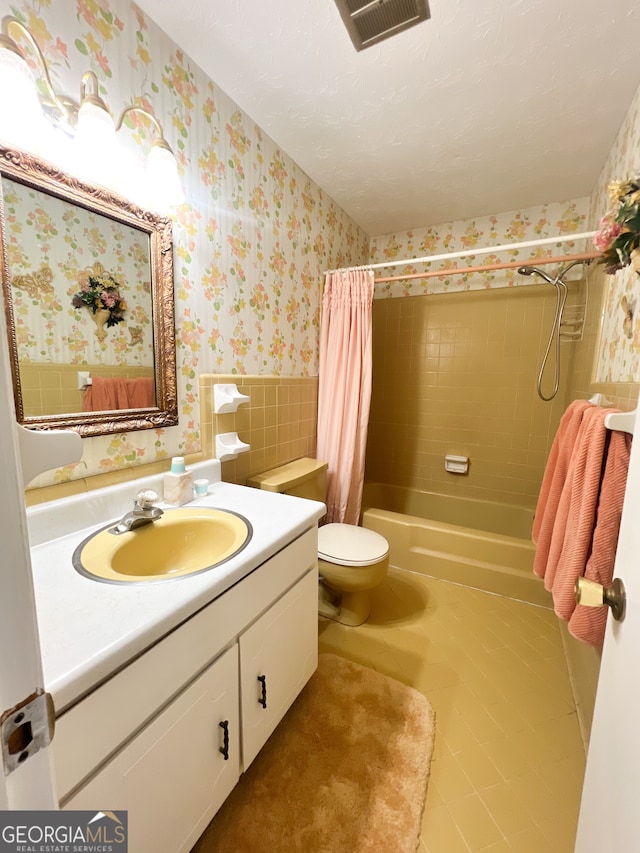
x=481 y=544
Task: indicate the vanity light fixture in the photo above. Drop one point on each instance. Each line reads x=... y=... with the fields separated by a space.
x=79 y=137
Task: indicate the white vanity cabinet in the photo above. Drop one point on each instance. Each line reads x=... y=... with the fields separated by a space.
x=167 y=737
x=173 y=777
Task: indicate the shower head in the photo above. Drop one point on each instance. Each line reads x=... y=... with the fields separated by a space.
x=561 y=298
x=536 y=271
x=566 y=269
x=559 y=278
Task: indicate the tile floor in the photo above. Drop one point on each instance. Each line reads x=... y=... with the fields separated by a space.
x=508 y=762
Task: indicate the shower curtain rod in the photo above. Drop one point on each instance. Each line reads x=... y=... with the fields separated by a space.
x=485 y=250
x=529 y=262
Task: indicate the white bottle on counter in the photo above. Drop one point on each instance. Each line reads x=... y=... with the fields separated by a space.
x=178 y=483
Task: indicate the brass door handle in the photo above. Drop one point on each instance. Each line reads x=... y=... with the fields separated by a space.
x=592 y=594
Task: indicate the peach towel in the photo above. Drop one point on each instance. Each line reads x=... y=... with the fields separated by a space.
x=555 y=476
x=106 y=395
x=575 y=522
x=588 y=623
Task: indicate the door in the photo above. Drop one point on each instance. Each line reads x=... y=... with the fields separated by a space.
x=278 y=655
x=30 y=786
x=610 y=810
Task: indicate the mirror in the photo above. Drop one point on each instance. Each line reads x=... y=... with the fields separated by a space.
x=88 y=292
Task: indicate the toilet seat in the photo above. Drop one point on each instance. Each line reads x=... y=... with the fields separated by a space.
x=348 y=545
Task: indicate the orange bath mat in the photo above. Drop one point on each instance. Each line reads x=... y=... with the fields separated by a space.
x=346 y=770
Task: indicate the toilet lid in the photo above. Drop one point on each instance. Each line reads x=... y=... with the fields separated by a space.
x=349 y=545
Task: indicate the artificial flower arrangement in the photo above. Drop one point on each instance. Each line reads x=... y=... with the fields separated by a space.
x=100 y=292
x=618 y=235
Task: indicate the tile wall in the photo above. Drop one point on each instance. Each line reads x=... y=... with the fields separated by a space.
x=52 y=389
x=456 y=373
x=279 y=422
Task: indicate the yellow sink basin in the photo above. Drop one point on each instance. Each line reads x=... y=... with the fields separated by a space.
x=181 y=542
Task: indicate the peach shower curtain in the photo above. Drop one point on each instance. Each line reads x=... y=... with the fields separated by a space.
x=344 y=388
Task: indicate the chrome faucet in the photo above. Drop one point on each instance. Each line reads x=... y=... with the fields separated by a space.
x=143 y=512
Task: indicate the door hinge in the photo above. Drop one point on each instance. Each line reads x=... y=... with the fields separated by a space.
x=26 y=729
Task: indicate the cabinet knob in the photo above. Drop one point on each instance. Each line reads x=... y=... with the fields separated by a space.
x=224 y=749
x=263 y=698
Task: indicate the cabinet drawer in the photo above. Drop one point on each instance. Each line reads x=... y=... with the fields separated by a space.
x=93 y=729
x=172 y=778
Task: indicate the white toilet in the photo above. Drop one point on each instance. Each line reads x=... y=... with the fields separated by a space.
x=351 y=560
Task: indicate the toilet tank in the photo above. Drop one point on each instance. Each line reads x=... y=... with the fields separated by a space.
x=304 y=478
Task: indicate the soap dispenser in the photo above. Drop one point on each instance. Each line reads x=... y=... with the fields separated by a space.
x=178 y=483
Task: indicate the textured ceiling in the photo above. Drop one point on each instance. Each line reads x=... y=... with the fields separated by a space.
x=490 y=106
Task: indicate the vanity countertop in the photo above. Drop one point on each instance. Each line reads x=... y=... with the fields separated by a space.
x=89 y=629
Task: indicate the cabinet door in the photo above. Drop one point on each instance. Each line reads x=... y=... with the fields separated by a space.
x=278 y=655
x=172 y=778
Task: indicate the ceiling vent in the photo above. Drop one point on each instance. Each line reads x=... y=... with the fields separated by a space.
x=370 y=22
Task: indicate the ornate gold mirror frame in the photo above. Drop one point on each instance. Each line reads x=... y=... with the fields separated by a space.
x=45 y=178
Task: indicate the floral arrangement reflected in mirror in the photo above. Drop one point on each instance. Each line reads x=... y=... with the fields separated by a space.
x=100 y=292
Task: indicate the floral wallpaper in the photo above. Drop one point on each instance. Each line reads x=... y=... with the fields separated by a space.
x=515 y=227
x=618 y=354
x=53 y=248
x=255 y=233
x=251 y=241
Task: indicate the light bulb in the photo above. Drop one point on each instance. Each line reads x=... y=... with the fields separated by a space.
x=56 y=146
x=21 y=117
x=164 y=189
x=130 y=181
x=95 y=145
